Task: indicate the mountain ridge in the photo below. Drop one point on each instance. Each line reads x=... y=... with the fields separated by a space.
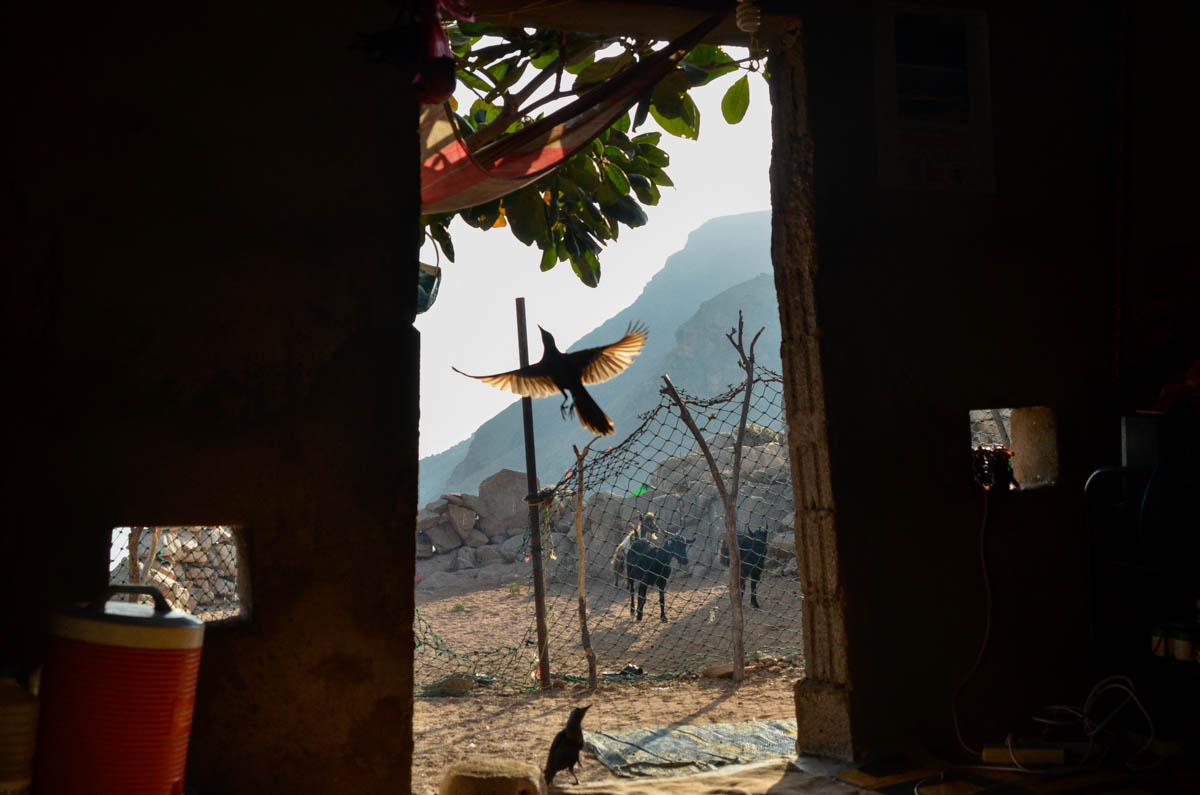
x=724 y=264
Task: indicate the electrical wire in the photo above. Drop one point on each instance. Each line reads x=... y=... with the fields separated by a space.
x=1091 y=726
x=987 y=629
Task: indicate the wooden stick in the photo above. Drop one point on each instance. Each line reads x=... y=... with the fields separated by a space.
x=583 y=626
x=735 y=558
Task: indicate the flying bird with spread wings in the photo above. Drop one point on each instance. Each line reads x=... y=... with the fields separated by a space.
x=569 y=372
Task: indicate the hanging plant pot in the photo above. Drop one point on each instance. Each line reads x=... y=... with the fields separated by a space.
x=428 y=279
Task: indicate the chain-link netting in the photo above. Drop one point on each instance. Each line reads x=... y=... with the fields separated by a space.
x=654 y=492
x=195 y=568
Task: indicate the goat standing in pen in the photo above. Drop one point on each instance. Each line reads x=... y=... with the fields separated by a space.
x=649 y=565
x=645 y=528
x=752 y=549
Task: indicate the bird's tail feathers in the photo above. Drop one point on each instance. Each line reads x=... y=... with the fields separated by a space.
x=591 y=416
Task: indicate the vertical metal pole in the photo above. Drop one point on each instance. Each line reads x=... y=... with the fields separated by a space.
x=535 y=526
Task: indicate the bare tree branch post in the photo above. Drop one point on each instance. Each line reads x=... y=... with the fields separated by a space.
x=729 y=496
x=582 y=557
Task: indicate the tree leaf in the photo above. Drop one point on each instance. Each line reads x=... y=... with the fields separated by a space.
x=476 y=28
x=526 y=214
x=736 y=100
x=668 y=96
x=545 y=59
x=694 y=74
x=617 y=178
x=483 y=112
x=576 y=68
x=614 y=155
x=643 y=108
x=622 y=124
x=647 y=192
x=651 y=138
x=654 y=155
x=441 y=236
x=549 y=257
x=627 y=211
x=716 y=62
x=473 y=81
x=678 y=125
x=605 y=193
x=659 y=177
x=601 y=70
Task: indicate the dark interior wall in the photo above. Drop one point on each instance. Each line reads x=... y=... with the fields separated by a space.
x=1161 y=289
x=207 y=210
x=932 y=304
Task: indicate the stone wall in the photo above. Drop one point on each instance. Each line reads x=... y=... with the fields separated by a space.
x=195 y=568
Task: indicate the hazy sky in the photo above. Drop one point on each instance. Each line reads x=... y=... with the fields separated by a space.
x=473 y=323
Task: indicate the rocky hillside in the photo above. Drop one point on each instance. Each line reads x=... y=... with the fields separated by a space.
x=689 y=305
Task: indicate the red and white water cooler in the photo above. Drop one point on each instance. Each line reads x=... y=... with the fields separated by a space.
x=117 y=692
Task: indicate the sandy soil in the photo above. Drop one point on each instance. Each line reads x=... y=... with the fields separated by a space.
x=477 y=628
x=489 y=628
x=522 y=726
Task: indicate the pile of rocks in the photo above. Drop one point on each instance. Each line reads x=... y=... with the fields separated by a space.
x=194 y=567
x=683 y=497
x=468 y=532
x=482 y=537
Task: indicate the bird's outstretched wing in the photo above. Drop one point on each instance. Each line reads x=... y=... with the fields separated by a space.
x=533 y=381
x=597 y=365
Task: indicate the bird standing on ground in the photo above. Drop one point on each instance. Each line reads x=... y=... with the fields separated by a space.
x=564 y=751
x=568 y=372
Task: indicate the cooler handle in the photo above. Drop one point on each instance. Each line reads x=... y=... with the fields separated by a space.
x=160 y=601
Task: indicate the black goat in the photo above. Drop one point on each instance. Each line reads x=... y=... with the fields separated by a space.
x=649 y=565
x=752 y=549
x=644 y=528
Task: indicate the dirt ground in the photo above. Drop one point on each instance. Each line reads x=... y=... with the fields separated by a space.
x=480 y=622
x=522 y=726
x=489 y=627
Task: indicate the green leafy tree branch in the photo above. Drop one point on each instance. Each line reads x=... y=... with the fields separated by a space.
x=572 y=212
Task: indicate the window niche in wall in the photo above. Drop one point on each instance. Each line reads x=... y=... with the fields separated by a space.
x=934 y=99
x=1023 y=439
x=200 y=570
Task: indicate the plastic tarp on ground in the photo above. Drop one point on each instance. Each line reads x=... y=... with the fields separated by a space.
x=658 y=751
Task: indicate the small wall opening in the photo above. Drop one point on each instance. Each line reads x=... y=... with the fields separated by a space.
x=199 y=569
x=1024 y=440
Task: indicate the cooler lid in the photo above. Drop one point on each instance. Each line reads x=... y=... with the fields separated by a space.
x=138 y=626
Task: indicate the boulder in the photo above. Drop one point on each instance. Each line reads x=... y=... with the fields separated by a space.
x=490 y=555
x=438 y=563
x=501 y=574
x=469 y=501
x=781 y=546
x=445 y=538
x=476 y=538
x=437 y=580
x=676 y=474
x=424 y=546
x=513 y=550
x=427 y=519
x=503 y=497
x=465 y=558
x=438 y=505
x=462 y=519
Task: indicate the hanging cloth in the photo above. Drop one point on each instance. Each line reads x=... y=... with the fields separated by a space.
x=453 y=177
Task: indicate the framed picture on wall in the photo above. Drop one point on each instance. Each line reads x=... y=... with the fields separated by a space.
x=933 y=99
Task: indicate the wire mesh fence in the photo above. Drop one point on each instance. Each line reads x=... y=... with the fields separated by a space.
x=195 y=568
x=651 y=516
